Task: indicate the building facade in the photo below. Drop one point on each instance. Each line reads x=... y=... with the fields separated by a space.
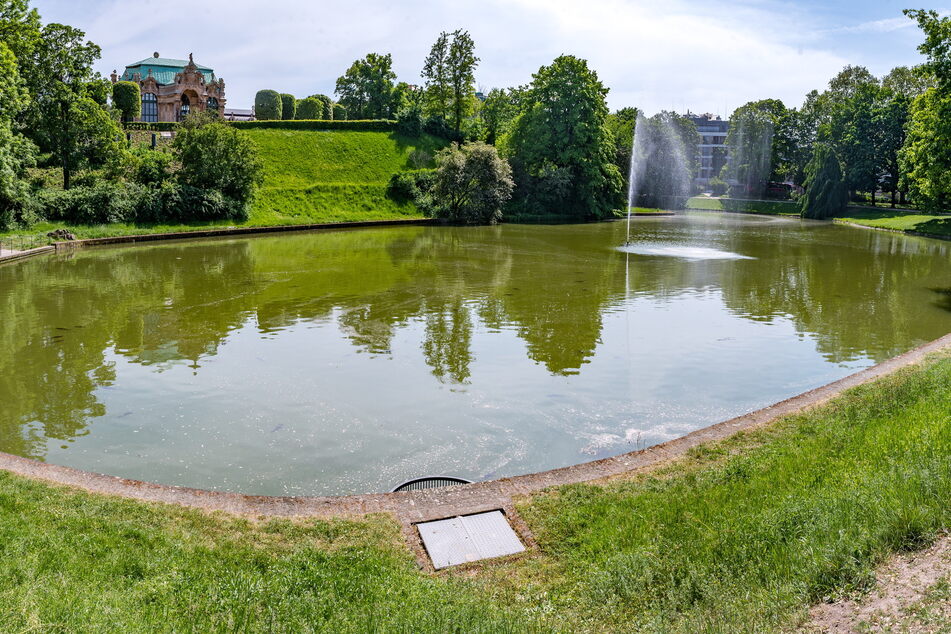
x=173 y=88
x=713 y=153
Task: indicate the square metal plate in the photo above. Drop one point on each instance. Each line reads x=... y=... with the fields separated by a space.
x=459 y=540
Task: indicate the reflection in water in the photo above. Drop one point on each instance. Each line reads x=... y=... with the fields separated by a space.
x=346 y=361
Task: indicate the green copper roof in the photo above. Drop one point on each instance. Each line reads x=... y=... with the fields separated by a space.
x=163 y=69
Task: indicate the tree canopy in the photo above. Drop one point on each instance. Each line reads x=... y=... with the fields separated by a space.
x=366 y=89
x=560 y=149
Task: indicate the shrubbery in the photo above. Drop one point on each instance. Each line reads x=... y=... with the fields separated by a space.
x=268 y=105
x=470 y=185
x=410 y=186
x=371 y=125
x=309 y=109
x=340 y=112
x=127 y=98
x=158 y=126
x=288 y=107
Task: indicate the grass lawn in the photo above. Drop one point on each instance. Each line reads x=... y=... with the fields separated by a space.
x=309 y=177
x=937 y=225
x=738 y=536
x=767 y=207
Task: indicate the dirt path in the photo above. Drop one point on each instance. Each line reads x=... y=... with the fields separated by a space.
x=912 y=594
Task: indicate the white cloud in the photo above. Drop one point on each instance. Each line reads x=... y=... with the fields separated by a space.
x=671 y=54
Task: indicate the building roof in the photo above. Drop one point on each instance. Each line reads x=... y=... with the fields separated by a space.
x=163 y=69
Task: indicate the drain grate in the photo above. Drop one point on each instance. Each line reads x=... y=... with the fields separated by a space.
x=458 y=540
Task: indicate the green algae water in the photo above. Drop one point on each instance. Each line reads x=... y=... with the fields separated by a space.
x=348 y=361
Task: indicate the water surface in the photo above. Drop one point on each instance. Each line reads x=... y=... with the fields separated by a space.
x=348 y=361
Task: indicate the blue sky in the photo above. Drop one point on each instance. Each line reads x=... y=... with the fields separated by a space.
x=709 y=56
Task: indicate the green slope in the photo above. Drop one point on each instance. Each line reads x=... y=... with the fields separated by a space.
x=326 y=176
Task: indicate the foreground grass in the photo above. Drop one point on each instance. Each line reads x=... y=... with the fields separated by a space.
x=739 y=536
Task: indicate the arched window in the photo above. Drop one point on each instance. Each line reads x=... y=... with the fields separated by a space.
x=186 y=108
x=149 y=108
x=212 y=104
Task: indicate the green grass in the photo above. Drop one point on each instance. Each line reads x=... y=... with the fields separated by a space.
x=309 y=177
x=767 y=207
x=738 y=536
x=318 y=176
x=897 y=220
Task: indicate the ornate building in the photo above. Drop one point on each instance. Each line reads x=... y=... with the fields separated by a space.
x=172 y=88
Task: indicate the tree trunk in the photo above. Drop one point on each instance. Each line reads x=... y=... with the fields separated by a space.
x=873 y=197
x=893 y=198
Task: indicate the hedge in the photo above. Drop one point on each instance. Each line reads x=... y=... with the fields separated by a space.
x=369 y=125
x=268 y=105
x=288 y=107
x=161 y=126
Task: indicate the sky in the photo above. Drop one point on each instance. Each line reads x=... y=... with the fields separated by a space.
x=705 y=56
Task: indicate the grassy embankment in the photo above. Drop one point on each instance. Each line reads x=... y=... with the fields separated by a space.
x=905 y=220
x=737 y=536
x=309 y=177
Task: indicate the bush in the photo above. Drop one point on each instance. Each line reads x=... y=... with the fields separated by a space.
x=268 y=105
x=99 y=203
x=127 y=98
x=437 y=126
x=409 y=120
x=339 y=112
x=151 y=167
x=309 y=109
x=288 y=107
x=410 y=186
x=718 y=187
x=470 y=184
x=371 y=125
x=216 y=156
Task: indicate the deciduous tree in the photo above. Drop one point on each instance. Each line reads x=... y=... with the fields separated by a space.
x=366 y=89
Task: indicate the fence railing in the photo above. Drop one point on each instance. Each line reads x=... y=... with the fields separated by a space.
x=23 y=243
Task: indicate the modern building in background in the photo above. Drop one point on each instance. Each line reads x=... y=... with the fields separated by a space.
x=173 y=88
x=713 y=153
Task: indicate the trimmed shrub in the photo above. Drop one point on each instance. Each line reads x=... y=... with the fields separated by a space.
x=339 y=112
x=127 y=98
x=327 y=107
x=372 y=125
x=309 y=109
x=159 y=126
x=268 y=105
x=288 y=107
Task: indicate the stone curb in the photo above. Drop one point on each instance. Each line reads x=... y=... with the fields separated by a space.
x=22 y=255
x=237 y=231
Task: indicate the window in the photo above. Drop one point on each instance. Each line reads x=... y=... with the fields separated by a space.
x=212 y=103
x=186 y=108
x=149 y=108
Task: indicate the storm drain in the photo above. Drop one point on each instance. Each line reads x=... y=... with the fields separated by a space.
x=466 y=538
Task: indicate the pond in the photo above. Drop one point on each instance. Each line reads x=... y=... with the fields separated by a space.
x=347 y=361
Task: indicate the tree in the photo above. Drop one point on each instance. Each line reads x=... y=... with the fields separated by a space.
x=497 y=112
x=71 y=126
x=909 y=82
x=926 y=156
x=288 y=107
x=889 y=119
x=667 y=156
x=461 y=64
x=449 y=71
x=340 y=112
x=127 y=99
x=16 y=153
x=20 y=31
x=802 y=130
x=366 y=88
x=559 y=147
x=826 y=192
x=471 y=184
x=436 y=75
x=268 y=105
x=751 y=142
x=217 y=156
x=310 y=108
